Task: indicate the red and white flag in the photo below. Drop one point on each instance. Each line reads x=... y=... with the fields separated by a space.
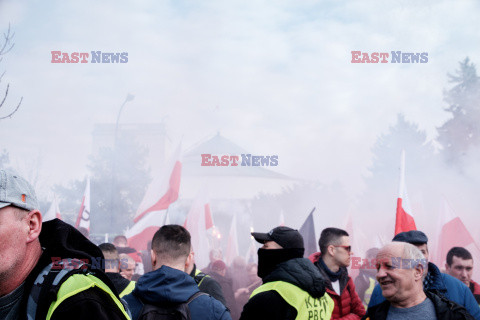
x=199 y=223
x=162 y=191
x=452 y=233
x=404 y=219
x=251 y=256
x=53 y=212
x=83 y=219
x=232 y=243
x=151 y=213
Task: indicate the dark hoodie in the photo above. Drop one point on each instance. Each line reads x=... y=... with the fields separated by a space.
x=270 y=305
x=167 y=285
x=60 y=240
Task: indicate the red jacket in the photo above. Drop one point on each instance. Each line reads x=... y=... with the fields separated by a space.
x=475 y=288
x=348 y=305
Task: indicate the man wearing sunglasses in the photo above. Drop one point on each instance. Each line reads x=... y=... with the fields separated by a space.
x=332 y=262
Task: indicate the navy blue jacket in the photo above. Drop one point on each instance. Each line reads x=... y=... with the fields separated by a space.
x=443 y=285
x=174 y=286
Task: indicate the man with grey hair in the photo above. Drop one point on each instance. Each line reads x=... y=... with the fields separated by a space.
x=400 y=272
x=436 y=282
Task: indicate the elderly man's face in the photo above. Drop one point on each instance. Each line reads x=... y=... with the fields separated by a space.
x=13 y=241
x=397 y=282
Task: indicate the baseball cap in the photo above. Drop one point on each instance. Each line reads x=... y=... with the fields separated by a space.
x=286 y=237
x=412 y=237
x=16 y=191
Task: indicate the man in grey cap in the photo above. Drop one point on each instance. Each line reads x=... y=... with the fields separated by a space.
x=292 y=286
x=436 y=282
x=36 y=259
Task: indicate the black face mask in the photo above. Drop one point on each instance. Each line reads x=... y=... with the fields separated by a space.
x=268 y=259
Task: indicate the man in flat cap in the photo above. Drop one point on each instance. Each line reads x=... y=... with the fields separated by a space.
x=436 y=282
x=292 y=286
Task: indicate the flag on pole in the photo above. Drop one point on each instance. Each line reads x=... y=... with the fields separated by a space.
x=162 y=191
x=83 y=219
x=53 y=212
x=232 y=243
x=251 y=256
x=452 y=233
x=307 y=230
x=404 y=218
x=199 y=223
x=281 y=219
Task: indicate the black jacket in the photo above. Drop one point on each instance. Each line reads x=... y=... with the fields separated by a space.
x=270 y=305
x=60 y=241
x=444 y=309
x=209 y=285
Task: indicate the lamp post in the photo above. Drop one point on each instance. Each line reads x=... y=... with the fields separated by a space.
x=128 y=98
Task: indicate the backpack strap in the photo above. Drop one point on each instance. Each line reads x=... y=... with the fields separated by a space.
x=196 y=295
x=48 y=283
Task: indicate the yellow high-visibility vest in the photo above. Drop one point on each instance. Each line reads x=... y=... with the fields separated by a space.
x=77 y=283
x=307 y=307
x=128 y=289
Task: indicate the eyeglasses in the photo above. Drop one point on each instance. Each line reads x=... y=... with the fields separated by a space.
x=348 y=248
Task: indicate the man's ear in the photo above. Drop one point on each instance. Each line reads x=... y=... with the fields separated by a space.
x=189 y=262
x=34 y=225
x=418 y=271
x=154 y=258
x=331 y=249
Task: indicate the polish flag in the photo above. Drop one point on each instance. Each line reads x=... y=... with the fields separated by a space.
x=232 y=243
x=281 y=219
x=452 y=233
x=53 y=212
x=199 y=223
x=83 y=219
x=404 y=219
x=151 y=214
x=162 y=191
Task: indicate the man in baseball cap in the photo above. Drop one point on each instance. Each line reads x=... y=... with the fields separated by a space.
x=435 y=281
x=292 y=286
x=28 y=249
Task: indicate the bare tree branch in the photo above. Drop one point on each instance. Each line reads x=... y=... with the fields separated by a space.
x=4 y=49
x=8 y=39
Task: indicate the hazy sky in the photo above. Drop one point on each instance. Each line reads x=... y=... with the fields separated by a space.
x=273 y=76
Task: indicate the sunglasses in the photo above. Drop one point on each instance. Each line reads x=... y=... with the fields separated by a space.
x=348 y=248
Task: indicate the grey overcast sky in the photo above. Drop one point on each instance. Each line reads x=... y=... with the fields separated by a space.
x=273 y=76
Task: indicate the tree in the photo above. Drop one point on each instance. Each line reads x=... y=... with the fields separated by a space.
x=461 y=133
x=378 y=201
x=4 y=49
x=118 y=181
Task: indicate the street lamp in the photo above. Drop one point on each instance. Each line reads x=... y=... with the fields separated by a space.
x=128 y=98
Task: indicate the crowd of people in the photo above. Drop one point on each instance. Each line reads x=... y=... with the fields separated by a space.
x=50 y=270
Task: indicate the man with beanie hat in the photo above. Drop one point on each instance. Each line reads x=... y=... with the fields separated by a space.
x=292 y=286
x=332 y=262
x=436 y=282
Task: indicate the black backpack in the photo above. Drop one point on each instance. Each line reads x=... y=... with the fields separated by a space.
x=179 y=311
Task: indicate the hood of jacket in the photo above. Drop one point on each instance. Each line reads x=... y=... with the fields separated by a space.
x=61 y=240
x=433 y=281
x=301 y=273
x=166 y=285
x=343 y=277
